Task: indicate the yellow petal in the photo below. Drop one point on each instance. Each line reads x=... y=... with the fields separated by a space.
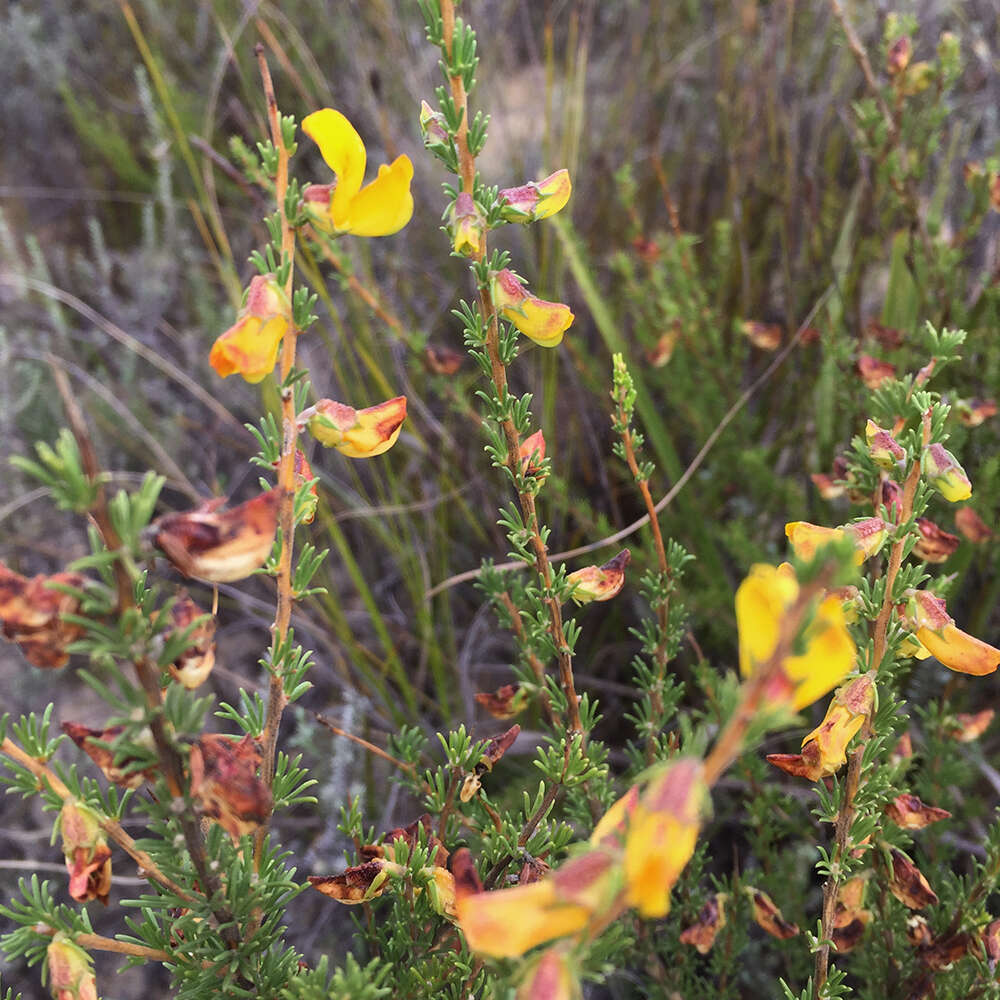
x=344 y=152
x=249 y=348
x=760 y=604
x=806 y=539
x=657 y=848
x=960 y=651
x=828 y=658
x=556 y=188
x=382 y=207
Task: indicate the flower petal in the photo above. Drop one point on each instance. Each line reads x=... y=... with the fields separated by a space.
x=960 y=651
x=249 y=348
x=344 y=152
x=382 y=207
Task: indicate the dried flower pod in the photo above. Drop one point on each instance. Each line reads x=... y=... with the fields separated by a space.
x=765 y=336
x=970 y=726
x=91 y=742
x=874 y=372
x=356 y=433
x=934 y=544
x=711 y=919
x=908 y=812
x=195 y=663
x=225 y=783
x=85 y=847
x=219 y=547
x=31 y=611
x=505 y=702
x=359 y=883
x=907 y=883
x=69 y=970
x=972 y=526
x=599 y=583
x=442 y=360
x=537 y=199
x=767 y=915
x=540 y=321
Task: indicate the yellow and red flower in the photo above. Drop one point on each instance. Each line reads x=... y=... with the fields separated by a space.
x=935 y=630
x=356 y=433
x=85 y=847
x=599 y=583
x=540 y=321
x=537 y=199
x=381 y=208
x=69 y=970
x=250 y=347
x=945 y=474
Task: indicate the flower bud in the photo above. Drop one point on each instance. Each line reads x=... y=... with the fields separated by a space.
x=532 y=453
x=884 y=449
x=69 y=970
x=85 y=846
x=898 y=57
x=540 y=321
x=918 y=77
x=537 y=199
x=356 y=433
x=432 y=127
x=945 y=474
x=220 y=547
x=442 y=360
x=599 y=583
x=934 y=545
x=874 y=372
x=250 y=346
x=303 y=474
x=468 y=226
x=663 y=350
x=892 y=498
x=907 y=883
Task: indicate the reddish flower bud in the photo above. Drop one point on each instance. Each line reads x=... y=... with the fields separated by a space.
x=225 y=783
x=990 y=936
x=31 y=612
x=219 y=547
x=531 y=453
x=898 y=57
x=972 y=526
x=468 y=226
x=934 y=545
x=892 y=498
x=69 y=970
x=303 y=474
x=767 y=915
x=945 y=474
x=765 y=336
x=599 y=583
x=85 y=846
x=884 y=449
x=908 y=812
x=874 y=372
x=711 y=919
x=907 y=883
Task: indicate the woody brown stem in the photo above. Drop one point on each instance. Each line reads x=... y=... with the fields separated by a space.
x=498 y=371
x=847 y=812
x=276 y=696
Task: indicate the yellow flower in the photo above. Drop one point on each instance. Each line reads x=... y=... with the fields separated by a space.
x=807 y=539
x=356 y=433
x=537 y=199
x=945 y=474
x=380 y=208
x=250 y=347
x=541 y=321
x=662 y=834
x=762 y=601
x=937 y=633
x=599 y=583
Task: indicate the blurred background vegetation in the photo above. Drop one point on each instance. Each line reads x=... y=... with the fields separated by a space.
x=723 y=176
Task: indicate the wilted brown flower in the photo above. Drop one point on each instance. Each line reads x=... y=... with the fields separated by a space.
x=970 y=726
x=972 y=526
x=874 y=372
x=766 y=336
x=973 y=412
x=224 y=782
x=910 y=813
x=358 y=883
x=505 y=702
x=934 y=544
x=767 y=915
x=85 y=847
x=887 y=336
x=31 y=611
x=493 y=750
x=599 y=583
x=907 y=883
x=91 y=742
x=710 y=920
x=195 y=663
x=850 y=916
x=220 y=547
x=942 y=952
x=442 y=360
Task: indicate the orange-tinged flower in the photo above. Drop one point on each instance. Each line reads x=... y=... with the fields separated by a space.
x=85 y=847
x=945 y=474
x=874 y=372
x=972 y=526
x=766 y=336
x=710 y=920
x=970 y=726
x=807 y=539
x=934 y=544
x=505 y=702
x=531 y=453
x=661 y=835
x=762 y=601
x=537 y=199
x=540 y=321
x=824 y=750
x=599 y=583
x=225 y=783
x=767 y=915
x=910 y=813
x=31 y=612
x=220 y=547
x=356 y=433
x=250 y=346
x=551 y=977
x=380 y=208
x=69 y=970
x=927 y=616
